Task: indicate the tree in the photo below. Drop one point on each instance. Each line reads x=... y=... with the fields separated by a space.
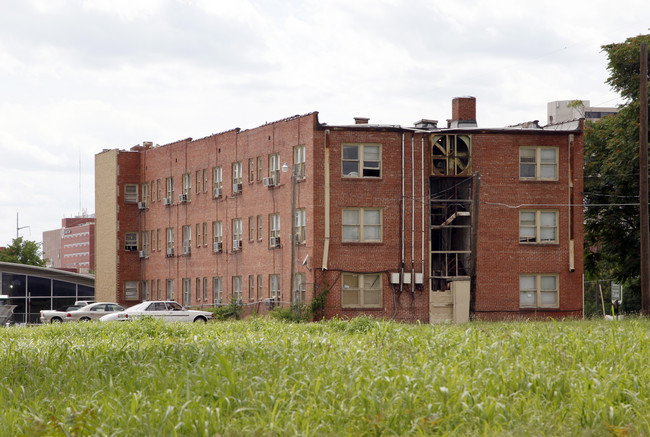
x=611 y=169
x=23 y=252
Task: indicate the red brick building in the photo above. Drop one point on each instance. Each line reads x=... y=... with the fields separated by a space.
x=411 y=223
x=72 y=247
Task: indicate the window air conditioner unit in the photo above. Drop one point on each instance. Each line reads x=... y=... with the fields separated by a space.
x=142 y=254
x=269 y=182
x=236 y=245
x=142 y=205
x=236 y=188
x=217 y=193
x=217 y=301
x=218 y=247
x=275 y=241
x=170 y=251
x=167 y=200
x=187 y=250
x=182 y=198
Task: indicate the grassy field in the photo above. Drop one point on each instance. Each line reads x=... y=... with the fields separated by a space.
x=363 y=377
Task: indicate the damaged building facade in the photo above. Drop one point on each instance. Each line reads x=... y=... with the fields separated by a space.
x=423 y=223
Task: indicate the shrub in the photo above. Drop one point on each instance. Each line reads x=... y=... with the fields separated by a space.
x=230 y=311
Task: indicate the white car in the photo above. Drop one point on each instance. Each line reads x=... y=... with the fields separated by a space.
x=169 y=311
x=92 y=311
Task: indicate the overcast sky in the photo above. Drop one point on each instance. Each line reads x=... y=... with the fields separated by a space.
x=80 y=76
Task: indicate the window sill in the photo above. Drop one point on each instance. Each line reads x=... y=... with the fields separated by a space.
x=362 y=243
x=524 y=243
x=535 y=309
x=362 y=178
x=538 y=180
x=362 y=308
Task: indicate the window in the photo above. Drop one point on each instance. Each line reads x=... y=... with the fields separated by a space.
x=251 y=170
x=217 y=291
x=274 y=287
x=187 y=186
x=153 y=191
x=205 y=234
x=217 y=236
x=187 y=239
x=170 y=239
x=153 y=240
x=198 y=289
x=300 y=225
x=236 y=234
x=299 y=287
x=538 y=163
x=205 y=180
x=169 y=183
x=153 y=290
x=361 y=160
x=236 y=174
x=130 y=193
x=364 y=291
x=205 y=289
x=145 y=243
x=236 y=289
x=145 y=193
x=259 y=287
x=259 y=227
x=158 y=239
x=274 y=168
x=131 y=241
x=274 y=229
x=131 y=290
x=170 y=289
x=538 y=291
x=217 y=181
x=158 y=189
x=159 y=289
x=362 y=224
x=259 y=168
x=251 y=228
x=187 y=291
x=251 y=287
x=299 y=161
x=198 y=235
x=537 y=226
x=145 y=290
x=199 y=179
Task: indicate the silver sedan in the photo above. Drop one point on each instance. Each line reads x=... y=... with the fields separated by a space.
x=93 y=311
x=168 y=311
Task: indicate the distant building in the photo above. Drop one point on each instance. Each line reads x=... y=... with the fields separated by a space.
x=559 y=111
x=72 y=247
x=388 y=221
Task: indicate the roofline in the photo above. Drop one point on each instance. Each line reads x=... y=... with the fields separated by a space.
x=51 y=273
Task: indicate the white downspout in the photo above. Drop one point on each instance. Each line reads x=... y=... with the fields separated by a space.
x=422 y=200
x=412 y=212
x=326 y=242
x=401 y=273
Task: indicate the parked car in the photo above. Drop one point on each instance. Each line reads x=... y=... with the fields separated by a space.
x=93 y=311
x=57 y=315
x=169 y=311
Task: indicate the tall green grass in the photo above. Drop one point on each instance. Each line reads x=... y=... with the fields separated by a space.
x=362 y=377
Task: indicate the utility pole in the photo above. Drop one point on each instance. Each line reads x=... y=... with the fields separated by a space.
x=18 y=228
x=643 y=181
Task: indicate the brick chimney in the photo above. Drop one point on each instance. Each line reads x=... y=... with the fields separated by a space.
x=463 y=112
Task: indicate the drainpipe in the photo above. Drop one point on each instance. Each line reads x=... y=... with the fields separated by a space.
x=326 y=243
x=401 y=272
x=572 y=266
x=422 y=197
x=412 y=212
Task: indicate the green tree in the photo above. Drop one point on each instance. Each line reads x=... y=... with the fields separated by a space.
x=611 y=186
x=23 y=252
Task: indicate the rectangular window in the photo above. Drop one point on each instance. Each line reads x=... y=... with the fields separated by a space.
x=205 y=289
x=236 y=289
x=274 y=287
x=153 y=240
x=145 y=193
x=131 y=290
x=198 y=289
x=187 y=239
x=362 y=225
x=251 y=228
x=170 y=289
x=538 y=226
x=274 y=229
x=158 y=239
x=145 y=243
x=153 y=191
x=130 y=193
x=299 y=288
x=217 y=291
x=251 y=287
x=300 y=226
x=299 y=161
x=145 y=290
x=236 y=234
x=159 y=289
x=170 y=239
x=158 y=189
x=259 y=227
x=187 y=186
x=259 y=168
x=251 y=170
x=217 y=236
x=538 y=163
x=205 y=180
x=198 y=235
x=199 y=179
x=131 y=241
x=538 y=291
x=361 y=290
x=205 y=234
x=217 y=181
x=361 y=160
x=259 y=287
x=169 y=183
x=187 y=291
x=236 y=174
x=274 y=168
x=154 y=295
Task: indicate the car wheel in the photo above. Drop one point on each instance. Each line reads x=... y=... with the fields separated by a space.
x=200 y=319
x=84 y=319
x=56 y=320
